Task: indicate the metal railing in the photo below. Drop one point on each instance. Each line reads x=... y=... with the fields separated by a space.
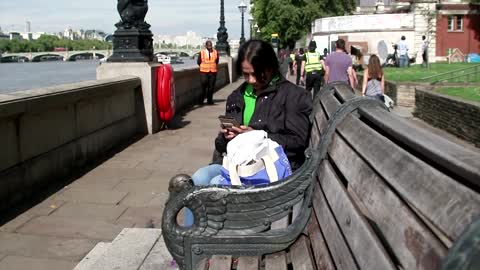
x=468 y=74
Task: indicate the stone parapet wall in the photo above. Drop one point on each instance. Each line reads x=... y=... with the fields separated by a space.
x=48 y=133
x=457 y=116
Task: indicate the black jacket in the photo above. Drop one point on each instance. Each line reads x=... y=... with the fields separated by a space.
x=282 y=110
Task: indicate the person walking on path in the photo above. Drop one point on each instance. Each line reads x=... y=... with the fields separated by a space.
x=403 y=52
x=292 y=59
x=338 y=65
x=374 y=79
x=424 y=51
x=312 y=68
x=297 y=65
x=284 y=62
x=208 y=62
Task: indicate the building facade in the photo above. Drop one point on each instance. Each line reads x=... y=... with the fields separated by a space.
x=458 y=26
x=373 y=29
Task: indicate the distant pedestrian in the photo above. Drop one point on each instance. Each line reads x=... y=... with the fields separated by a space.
x=297 y=65
x=403 y=52
x=208 y=62
x=374 y=79
x=292 y=58
x=424 y=51
x=325 y=53
x=312 y=68
x=284 y=62
x=338 y=65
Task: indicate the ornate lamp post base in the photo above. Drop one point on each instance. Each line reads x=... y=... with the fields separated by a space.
x=222 y=45
x=132 y=45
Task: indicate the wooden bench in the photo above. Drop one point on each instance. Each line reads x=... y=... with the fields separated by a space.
x=375 y=192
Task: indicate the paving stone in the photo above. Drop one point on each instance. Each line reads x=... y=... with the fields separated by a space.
x=151 y=186
x=145 y=198
x=71 y=227
x=159 y=258
x=142 y=217
x=123 y=164
x=45 y=246
x=91 y=196
x=95 y=183
x=27 y=263
x=118 y=173
x=43 y=209
x=46 y=207
x=89 y=211
x=18 y=221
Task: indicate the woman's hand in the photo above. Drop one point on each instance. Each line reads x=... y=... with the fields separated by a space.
x=234 y=131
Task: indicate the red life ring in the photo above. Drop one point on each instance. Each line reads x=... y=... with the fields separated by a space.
x=165 y=93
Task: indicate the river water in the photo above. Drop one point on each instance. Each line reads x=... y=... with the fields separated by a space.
x=25 y=76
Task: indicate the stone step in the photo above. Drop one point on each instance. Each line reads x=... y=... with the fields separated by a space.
x=94 y=254
x=129 y=250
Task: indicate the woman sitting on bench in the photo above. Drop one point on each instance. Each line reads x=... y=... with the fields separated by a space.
x=266 y=101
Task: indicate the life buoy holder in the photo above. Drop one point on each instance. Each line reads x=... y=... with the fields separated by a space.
x=165 y=93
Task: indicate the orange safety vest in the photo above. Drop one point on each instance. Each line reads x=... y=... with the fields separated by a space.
x=208 y=64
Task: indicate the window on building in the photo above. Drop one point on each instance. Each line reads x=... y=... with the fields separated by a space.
x=459 y=23
x=450 y=23
x=455 y=23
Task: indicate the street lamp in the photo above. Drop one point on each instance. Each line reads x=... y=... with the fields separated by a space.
x=250 y=22
x=222 y=45
x=242 y=7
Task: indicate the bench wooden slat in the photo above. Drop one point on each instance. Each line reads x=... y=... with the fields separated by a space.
x=314 y=135
x=301 y=254
x=339 y=250
x=362 y=240
x=248 y=263
x=221 y=262
x=451 y=156
x=320 y=250
x=413 y=244
x=276 y=261
x=344 y=92
x=449 y=205
x=330 y=104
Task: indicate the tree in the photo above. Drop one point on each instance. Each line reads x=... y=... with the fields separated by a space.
x=292 y=19
x=47 y=43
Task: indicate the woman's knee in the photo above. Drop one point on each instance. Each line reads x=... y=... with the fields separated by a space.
x=204 y=175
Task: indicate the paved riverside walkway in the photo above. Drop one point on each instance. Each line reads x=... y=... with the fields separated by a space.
x=127 y=190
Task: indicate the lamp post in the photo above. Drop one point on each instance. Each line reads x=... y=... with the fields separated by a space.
x=250 y=22
x=222 y=45
x=242 y=7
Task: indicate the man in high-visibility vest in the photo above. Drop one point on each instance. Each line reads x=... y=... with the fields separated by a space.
x=312 y=67
x=208 y=62
x=292 y=56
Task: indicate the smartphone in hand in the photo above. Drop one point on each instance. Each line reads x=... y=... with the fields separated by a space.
x=228 y=122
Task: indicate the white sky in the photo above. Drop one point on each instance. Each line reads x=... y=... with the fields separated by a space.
x=173 y=17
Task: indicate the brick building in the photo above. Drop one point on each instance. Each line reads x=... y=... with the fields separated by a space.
x=458 y=26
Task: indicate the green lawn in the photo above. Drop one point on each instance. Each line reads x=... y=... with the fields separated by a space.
x=416 y=72
x=470 y=93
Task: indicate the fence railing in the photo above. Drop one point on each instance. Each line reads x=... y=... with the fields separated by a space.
x=468 y=74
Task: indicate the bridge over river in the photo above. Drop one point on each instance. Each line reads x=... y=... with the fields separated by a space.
x=72 y=55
